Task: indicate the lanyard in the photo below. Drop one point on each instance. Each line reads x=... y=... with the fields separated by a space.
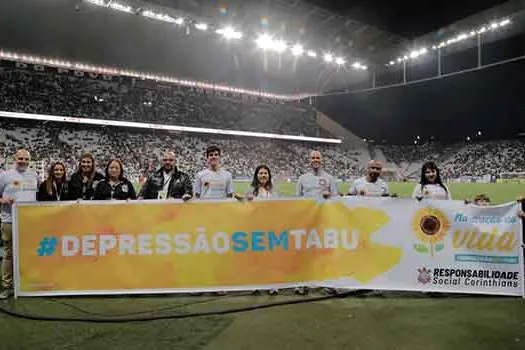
x=167 y=180
x=59 y=194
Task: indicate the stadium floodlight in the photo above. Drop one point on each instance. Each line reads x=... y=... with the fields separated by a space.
x=297 y=50
x=504 y=22
x=479 y=132
x=472 y=33
x=179 y=21
x=280 y=46
x=462 y=36
x=468 y=138
x=120 y=7
x=494 y=26
x=328 y=57
x=158 y=16
x=201 y=26
x=229 y=33
x=118 y=123
x=97 y=2
x=392 y=63
x=356 y=65
x=264 y=41
x=312 y=54
x=482 y=30
x=340 y=60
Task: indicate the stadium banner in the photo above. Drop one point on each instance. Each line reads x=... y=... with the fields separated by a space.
x=357 y=242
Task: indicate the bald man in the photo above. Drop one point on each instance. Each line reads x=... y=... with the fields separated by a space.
x=370 y=185
x=167 y=182
x=317 y=182
x=16 y=185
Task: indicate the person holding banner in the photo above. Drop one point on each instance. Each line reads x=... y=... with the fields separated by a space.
x=55 y=188
x=317 y=182
x=370 y=185
x=262 y=188
x=17 y=185
x=167 y=182
x=115 y=185
x=83 y=182
x=430 y=185
x=213 y=182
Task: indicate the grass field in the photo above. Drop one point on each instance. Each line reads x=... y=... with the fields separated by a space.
x=498 y=193
x=394 y=321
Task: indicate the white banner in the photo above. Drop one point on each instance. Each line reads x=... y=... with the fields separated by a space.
x=355 y=242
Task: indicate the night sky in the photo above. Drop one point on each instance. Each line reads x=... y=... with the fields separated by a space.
x=409 y=19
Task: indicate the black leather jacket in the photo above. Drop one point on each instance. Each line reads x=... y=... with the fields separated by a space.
x=180 y=184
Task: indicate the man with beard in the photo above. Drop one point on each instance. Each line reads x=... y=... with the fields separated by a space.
x=167 y=182
x=370 y=185
x=17 y=185
x=317 y=182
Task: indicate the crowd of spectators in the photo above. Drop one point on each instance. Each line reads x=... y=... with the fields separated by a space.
x=46 y=90
x=141 y=150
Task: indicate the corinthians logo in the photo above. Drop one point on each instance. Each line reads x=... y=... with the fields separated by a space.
x=430 y=226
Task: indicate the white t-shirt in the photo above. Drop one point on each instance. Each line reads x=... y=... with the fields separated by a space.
x=20 y=186
x=261 y=194
x=313 y=185
x=378 y=188
x=213 y=184
x=431 y=191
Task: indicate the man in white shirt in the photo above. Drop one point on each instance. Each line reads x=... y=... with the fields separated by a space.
x=370 y=185
x=317 y=182
x=17 y=185
x=213 y=182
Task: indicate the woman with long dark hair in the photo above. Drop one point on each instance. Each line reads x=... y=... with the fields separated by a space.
x=430 y=185
x=115 y=185
x=83 y=182
x=262 y=185
x=55 y=188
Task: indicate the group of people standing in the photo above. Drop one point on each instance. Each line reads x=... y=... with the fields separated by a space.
x=21 y=185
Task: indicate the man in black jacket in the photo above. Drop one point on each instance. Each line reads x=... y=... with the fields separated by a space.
x=167 y=182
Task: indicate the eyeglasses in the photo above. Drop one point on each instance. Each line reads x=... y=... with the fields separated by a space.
x=21 y=158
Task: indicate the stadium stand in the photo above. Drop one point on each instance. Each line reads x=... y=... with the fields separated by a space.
x=46 y=90
x=140 y=150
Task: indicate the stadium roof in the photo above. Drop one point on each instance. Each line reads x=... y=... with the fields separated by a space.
x=104 y=37
x=296 y=20
x=370 y=30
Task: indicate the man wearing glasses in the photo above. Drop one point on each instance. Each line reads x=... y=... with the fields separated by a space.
x=370 y=185
x=16 y=185
x=167 y=182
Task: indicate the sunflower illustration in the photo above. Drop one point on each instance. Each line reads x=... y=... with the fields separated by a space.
x=430 y=226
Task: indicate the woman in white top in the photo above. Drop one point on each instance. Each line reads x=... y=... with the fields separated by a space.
x=262 y=186
x=431 y=186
